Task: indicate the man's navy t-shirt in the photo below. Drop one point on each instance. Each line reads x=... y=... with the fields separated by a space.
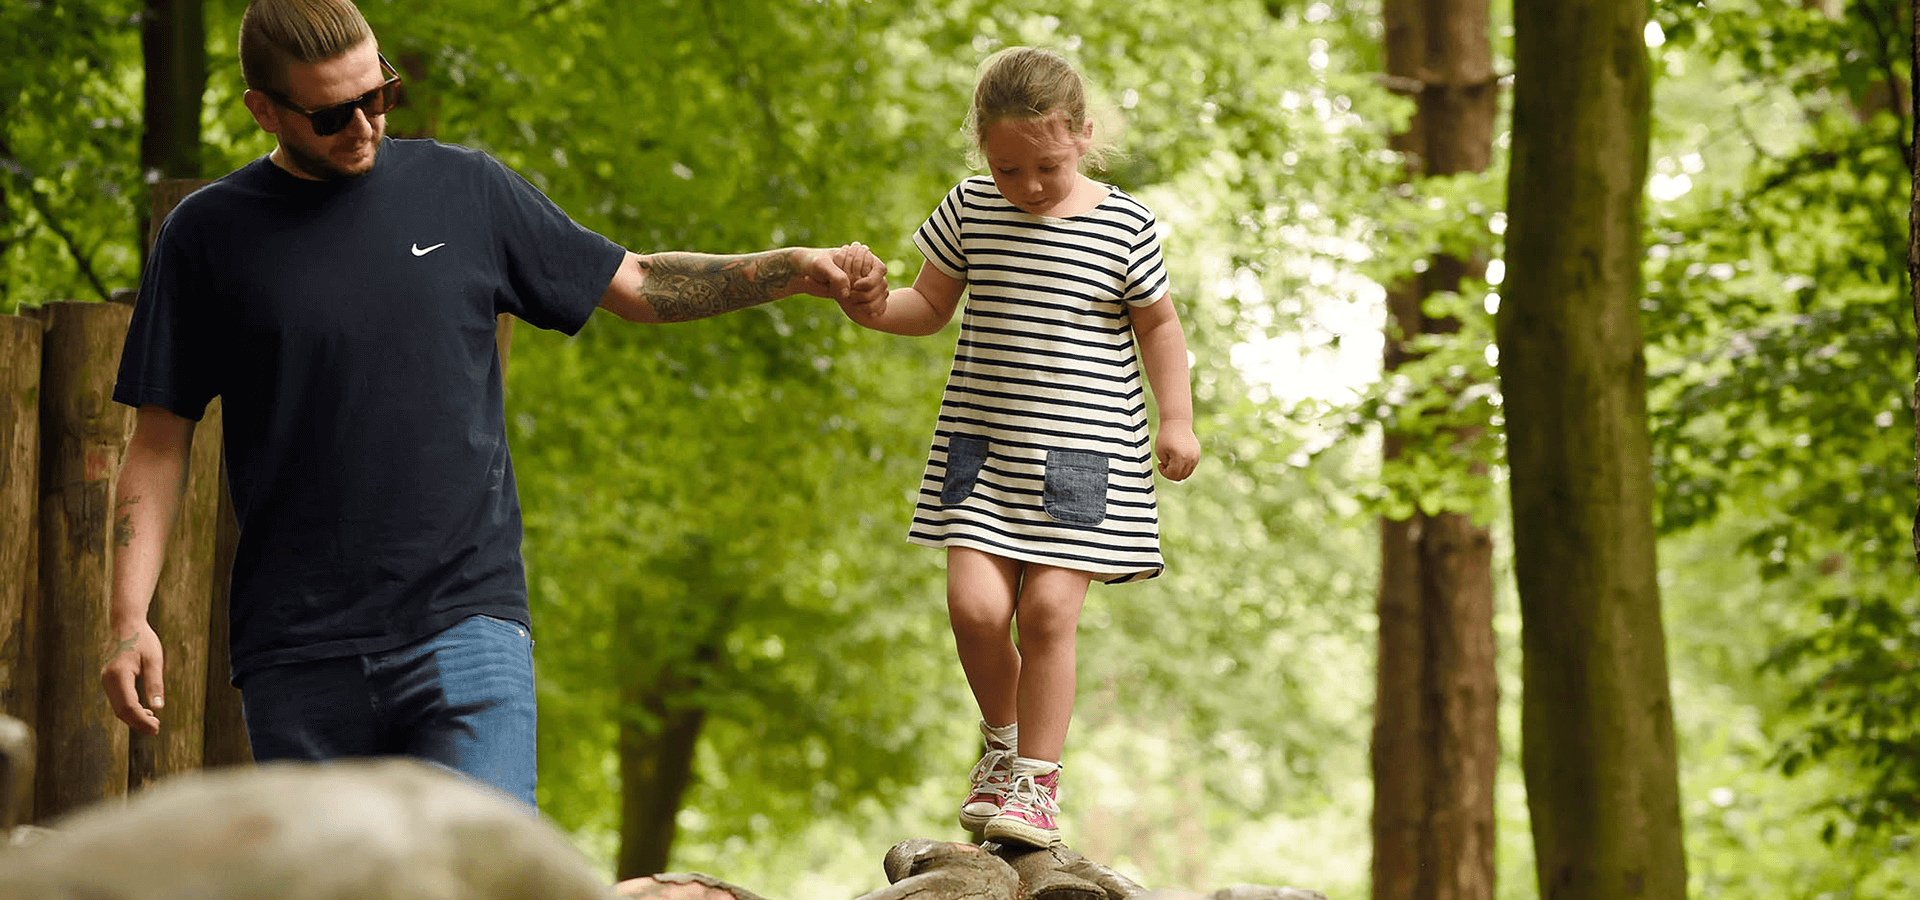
x=348 y=328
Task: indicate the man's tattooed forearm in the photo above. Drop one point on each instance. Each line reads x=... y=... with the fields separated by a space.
x=682 y=287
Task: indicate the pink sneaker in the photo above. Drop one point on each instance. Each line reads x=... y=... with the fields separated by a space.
x=1031 y=812
x=990 y=779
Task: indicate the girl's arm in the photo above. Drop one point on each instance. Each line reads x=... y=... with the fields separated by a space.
x=922 y=309
x=1163 y=350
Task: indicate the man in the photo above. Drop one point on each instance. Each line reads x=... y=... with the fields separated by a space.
x=339 y=295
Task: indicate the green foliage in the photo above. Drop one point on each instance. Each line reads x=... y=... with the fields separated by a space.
x=70 y=190
x=1781 y=347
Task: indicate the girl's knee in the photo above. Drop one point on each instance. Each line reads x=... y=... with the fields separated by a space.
x=978 y=620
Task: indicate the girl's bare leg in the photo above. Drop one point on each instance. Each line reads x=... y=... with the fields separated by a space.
x=1049 y=612
x=981 y=592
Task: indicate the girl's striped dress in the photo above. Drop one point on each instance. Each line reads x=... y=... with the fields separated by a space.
x=1042 y=453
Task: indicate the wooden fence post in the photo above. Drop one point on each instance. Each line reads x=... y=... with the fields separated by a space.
x=19 y=526
x=81 y=746
x=226 y=727
x=184 y=597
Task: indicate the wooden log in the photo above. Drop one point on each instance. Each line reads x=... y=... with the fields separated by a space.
x=226 y=727
x=183 y=596
x=19 y=522
x=215 y=717
x=944 y=870
x=1115 y=885
x=1044 y=874
x=16 y=773
x=182 y=605
x=82 y=755
x=682 y=886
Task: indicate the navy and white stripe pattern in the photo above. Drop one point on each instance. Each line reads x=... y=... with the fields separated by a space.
x=1042 y=453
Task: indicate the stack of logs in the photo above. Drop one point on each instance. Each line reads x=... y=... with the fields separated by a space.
x=925 y=869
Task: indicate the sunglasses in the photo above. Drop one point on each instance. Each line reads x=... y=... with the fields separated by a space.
x=333 y=119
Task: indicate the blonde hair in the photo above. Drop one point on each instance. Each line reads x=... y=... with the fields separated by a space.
x=1030 y=83
x=276 y=33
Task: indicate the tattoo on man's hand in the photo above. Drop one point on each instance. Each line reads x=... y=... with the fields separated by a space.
x=682 y=287
x=122 y=647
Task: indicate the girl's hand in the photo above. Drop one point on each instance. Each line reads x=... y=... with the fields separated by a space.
x=867 y=282
x=1177 y=449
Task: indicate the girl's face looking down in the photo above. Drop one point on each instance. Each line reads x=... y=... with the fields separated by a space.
x=1035 y=162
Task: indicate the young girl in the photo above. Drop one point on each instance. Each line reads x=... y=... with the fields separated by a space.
x=1040 y=478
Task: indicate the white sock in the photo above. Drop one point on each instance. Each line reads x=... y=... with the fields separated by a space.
x=1008 y=734
x=1034 y=767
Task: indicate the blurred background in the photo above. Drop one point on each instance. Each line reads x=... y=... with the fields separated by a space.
x=746 y=670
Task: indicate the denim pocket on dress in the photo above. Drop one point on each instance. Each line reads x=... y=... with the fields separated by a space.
x=1076 y=486
x=965 y=455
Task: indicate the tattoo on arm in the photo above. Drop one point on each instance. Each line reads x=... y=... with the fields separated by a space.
x=123 y=526
x=682 y=287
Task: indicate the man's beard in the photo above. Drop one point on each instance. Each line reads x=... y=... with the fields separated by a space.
x=317 y=165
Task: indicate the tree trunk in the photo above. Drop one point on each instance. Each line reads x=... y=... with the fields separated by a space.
x=1436 y=738
x=1597 y=729
x=82 y=747
x=173 y=46
x=19 y=514
x=1913 y=275
x=656 y=767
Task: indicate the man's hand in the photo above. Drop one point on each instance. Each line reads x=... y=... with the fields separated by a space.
x=135 y=658
x=820 y=273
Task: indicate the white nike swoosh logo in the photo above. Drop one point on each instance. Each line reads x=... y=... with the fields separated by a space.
x=419 y=252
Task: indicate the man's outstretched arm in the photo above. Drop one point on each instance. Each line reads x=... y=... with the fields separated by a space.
x=681 y=287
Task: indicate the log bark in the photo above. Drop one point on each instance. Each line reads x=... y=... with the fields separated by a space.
x=82 y=748
x=682 y=886
x=1044 y=873
x=19 y=521
x=16 y=775
x=923 y=869
x=182 y=602
x=226 y=726
x=926 y=869
x=183 y=597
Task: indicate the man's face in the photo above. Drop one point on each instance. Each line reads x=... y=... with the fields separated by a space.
x=348 y=153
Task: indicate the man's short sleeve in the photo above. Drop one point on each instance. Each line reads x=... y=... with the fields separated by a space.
x=167 y=358
x=556 y=270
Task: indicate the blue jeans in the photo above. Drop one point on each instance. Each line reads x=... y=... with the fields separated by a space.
x=462 y=698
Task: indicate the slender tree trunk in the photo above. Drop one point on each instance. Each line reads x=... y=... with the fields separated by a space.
x=1436 y=734
x=173 y=46
x=1597 y=729
x=1913 y=275
x=656 y=768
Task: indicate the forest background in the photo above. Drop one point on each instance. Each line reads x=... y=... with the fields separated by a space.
x=731 y=626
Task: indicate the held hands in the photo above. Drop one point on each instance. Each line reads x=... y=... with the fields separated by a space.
x=849 y=274
x=867 y=290
x=136 y=657
x=1177 y=450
